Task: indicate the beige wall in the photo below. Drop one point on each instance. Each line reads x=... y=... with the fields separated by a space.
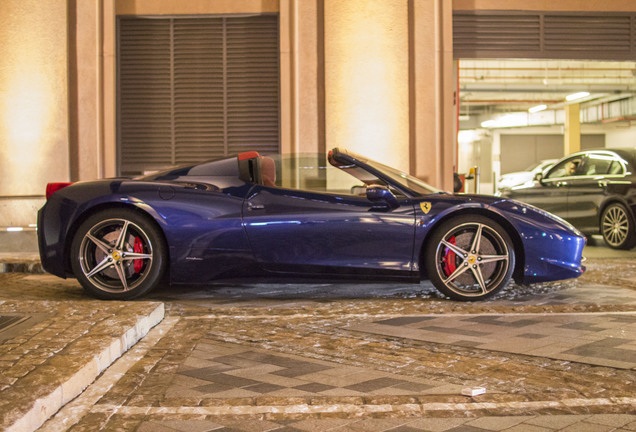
x=33 y=90
x=346 y=79
x=33 y=109
x=194 y=7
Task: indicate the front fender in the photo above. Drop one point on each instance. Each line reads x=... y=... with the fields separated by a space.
x=434 y=210
x=547 y=247
x=553 y=248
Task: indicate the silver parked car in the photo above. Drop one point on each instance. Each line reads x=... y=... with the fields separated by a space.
x=522 y=177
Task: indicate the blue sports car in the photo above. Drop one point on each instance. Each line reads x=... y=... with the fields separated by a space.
x=335 y=216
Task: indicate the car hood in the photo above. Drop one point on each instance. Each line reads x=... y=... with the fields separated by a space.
x=511 y=209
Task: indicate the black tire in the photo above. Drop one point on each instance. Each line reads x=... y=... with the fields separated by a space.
x=118 y=254
x=617 y=227
x=469 y=257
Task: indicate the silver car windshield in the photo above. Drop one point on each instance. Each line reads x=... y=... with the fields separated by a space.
x=406 y=180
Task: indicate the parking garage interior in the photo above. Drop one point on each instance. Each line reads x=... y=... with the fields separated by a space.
x=521 y=75
x=512 y=111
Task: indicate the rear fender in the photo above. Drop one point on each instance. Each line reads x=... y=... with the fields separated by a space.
x=91 y=208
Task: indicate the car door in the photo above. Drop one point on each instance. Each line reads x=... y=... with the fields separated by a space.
x=297 y=230
x=551 y=192
x=587 y=191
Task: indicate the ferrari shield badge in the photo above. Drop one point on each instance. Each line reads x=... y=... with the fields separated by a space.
x=426 y=207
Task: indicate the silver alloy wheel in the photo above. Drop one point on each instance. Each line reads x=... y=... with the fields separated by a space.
x=615 y=225
x=472 y=259
x=115 y=255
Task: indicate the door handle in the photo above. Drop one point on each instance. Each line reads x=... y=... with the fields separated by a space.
x=251 y=206
x=602 y=183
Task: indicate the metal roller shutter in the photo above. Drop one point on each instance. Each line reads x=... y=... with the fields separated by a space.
x=192 y=89
x=545 y=35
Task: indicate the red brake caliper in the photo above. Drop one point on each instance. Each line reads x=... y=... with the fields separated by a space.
x=138 y=248
x=449 y=259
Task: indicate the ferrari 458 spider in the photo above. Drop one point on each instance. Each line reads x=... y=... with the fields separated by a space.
x=334 y=217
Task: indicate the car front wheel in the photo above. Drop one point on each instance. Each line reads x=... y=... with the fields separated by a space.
x=118 y=254
x=617 y=227
x=470 y=257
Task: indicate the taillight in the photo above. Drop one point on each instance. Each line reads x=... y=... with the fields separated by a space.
x=51 y=188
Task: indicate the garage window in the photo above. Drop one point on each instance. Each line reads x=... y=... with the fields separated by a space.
x=193 y=89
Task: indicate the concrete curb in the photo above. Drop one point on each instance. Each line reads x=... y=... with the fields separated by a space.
x=44 y=407
x=19 y=262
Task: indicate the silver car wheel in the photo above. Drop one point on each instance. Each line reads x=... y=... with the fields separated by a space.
x=115 y=255
x=615 y=226
x=472 y=260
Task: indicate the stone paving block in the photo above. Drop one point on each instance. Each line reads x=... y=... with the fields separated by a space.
x=375 y=384
x=614 y=420
x=282 y=381
x=573 y=337
x=313 y=387
x=437 y=424
x=587 y=426
x=556 y=422
x=527 y=428
x=261 y=369
x=497 y=423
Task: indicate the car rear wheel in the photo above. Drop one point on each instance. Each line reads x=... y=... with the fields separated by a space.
x=470 y=257
x=617 y=227
x=118 y=254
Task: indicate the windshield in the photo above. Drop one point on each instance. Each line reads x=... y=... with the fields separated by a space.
x=409 y=182
x=412 y=183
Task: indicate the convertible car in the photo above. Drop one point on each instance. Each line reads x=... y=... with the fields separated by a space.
x=334 y=217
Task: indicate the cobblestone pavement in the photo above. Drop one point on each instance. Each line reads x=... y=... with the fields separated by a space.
x=372 y=357
x=53 y=344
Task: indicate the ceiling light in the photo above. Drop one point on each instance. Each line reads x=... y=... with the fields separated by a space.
x=537 y=108
x=488 y=123
x=575 y=96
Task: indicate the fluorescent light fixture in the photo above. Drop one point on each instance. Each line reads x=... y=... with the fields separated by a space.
x=14 y=229
x=537 y=108
x=467 y=136
x=575 y=96
x=488 y=123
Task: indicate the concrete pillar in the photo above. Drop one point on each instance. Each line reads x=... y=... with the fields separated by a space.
x=301 y=76
x=572 y=136
x=434 y=87
x=367 y=78
x=85 y=132
x=310 y=80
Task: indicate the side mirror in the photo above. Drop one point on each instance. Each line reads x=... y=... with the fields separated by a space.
x=538 y=177
x=381 y=194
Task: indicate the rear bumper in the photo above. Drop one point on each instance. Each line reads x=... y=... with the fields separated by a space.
x=51 y=242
